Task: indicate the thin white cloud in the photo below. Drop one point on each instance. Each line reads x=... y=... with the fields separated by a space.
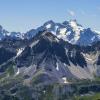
x=71 y=12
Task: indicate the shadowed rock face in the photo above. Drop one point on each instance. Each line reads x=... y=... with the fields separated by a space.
x=98 y=61
x=5 y=55
x=25 y=59
x=47 y=52
x=77 y=59
x=53 y=50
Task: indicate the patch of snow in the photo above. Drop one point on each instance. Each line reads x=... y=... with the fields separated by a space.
x=73 y=23
x=44 y=91
x=89 y=59
x=57 y=67
x=18 y=71
x=98 y=32
x=63 y=31
x=77 y=29
x=20 y=51
x=8 y=34
x=68 y=33
x=75 y=26
x=62 y=37
x=56 y=27
x=65 y=80
x=34 y=43
x=53 y=32
x=64 y=64
x=57 y=40
x=66 y=50
x=48 y=26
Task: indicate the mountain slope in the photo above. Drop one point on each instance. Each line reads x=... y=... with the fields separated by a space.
x=46 y=66
x=52 y=56
x=58 y=59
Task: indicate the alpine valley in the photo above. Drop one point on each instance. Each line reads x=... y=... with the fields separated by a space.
x=56 y=61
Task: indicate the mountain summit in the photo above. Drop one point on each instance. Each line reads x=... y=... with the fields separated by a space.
x=72 y=32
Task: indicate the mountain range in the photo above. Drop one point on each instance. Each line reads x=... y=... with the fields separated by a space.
x=59 y=54
x=69 y=31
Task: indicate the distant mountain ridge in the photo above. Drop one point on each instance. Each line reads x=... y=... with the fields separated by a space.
x=69 y=31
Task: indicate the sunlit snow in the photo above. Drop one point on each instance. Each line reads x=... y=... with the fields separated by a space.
x=48 y=26
x=20 y=51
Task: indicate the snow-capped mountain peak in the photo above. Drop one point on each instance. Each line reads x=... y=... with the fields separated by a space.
x=76 y=27
x=14 y=35
x=98 y=32
x=69 y=31
x=72 y=32
x=49 y=24
x=3 y=32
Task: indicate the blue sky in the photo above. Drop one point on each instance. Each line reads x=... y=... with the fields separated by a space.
x=22 y=15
